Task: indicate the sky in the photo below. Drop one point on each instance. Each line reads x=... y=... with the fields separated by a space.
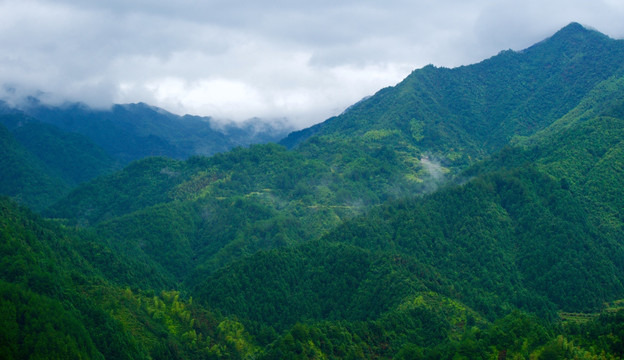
x=298 y=60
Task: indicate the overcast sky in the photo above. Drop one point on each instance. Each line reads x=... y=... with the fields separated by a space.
x=303 y=60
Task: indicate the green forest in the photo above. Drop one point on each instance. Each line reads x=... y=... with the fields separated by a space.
x=465 y=213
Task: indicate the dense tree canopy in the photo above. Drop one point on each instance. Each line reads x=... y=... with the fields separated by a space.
x=468 y=213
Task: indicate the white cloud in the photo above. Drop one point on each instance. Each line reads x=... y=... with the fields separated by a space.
x=237 y=59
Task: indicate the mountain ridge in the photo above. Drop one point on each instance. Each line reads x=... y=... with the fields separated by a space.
x=454 y=215
x=133 y=131
x=573 y=35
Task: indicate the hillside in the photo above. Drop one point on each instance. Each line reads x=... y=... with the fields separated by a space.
x=135 y=131
x=354 y=303
x=456 y=215
x=43 y=163
x=68 y=145
x=463 y=114
x=24 y=177
x=300 y=194
x=65 y=295
x=535 y=227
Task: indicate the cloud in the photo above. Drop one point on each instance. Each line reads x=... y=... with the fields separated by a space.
x=238 y=59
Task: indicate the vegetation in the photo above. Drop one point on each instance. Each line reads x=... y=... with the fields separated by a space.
x=469 y=213
x=24 y=177
x=41 y=163
x=134 y=131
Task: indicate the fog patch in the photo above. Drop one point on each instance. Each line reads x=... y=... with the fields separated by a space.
x=435 y=172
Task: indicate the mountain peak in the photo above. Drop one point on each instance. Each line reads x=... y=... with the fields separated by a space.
x=576 y=31
x=571 y=38
x=573 y=27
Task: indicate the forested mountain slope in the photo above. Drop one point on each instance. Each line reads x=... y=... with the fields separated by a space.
x=135 y=131
x=79 y=299
x=360 y=159
x=71 y=144
x=65 y=295
x=43 y=163
x=583 y=150
x=456 y=215
x=537 y=227
x=24 y=177
x=463 y=114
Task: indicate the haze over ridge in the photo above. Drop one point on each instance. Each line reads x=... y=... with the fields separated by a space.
x=238 y=60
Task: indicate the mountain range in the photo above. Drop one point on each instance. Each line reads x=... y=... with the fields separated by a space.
x=73 y=143
x=465 y=213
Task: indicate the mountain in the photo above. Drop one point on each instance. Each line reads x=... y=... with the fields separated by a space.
x=403 y=141
x=537 y=226
x=134 y=131
x=42 y=163
x=70 y=156
x=464 y=114
x=466 y=213
x=72 y=144
x=24 y=177
x=65 y=295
